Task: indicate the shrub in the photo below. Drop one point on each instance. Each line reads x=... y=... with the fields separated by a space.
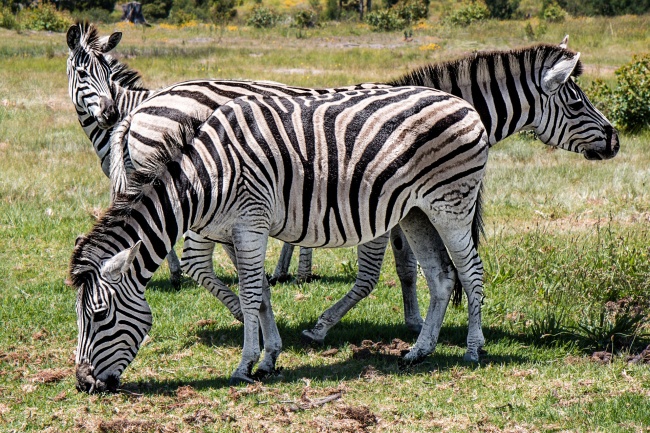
x=305 y=18
x=263 y=17
x=412 y=10
x=467 y=14
x=95 y=15
x=223 y=11
x=178 y=17
x=7 y=19
x=385 y=20
x=502 y=9
x=44 y=17
x=156 y=9
x=553 y=13
x=626 y=105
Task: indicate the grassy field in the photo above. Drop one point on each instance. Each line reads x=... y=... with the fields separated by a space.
x=567 y=244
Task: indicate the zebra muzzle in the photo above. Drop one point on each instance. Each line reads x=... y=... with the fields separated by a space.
x=86 y=382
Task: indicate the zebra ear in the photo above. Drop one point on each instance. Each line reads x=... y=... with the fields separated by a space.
x=120 y=263
x=110 y=42
x=73 y=37
x=565 y=42
x=559 y=73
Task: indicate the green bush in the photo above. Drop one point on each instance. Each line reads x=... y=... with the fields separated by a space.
x=467 y=14
x=44 y=17
x=627 y=104
x=305 y=18
x=553 y=13
x=222 y=11
x=412 y=10
x=385 y=20
x=95 y=15
x=263 y=17
x=502 y=9
x=156 y=9
x=7 y=19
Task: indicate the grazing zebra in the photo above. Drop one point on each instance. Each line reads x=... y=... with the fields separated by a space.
x=524 y=89
x=104 y=91
x=334 y=170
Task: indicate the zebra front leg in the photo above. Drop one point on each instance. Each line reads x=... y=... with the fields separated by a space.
x=438 y=270
x=281 y=273
x=407 y=270
x=196 y=261
x=370 y=256
x=174 y=270
x=250 y=242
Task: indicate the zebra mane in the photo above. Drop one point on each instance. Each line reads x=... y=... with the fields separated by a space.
x=431 y=74
x=124 y=76
x=139 y=182
x=89 y=39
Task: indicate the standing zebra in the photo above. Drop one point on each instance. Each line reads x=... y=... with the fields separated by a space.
x=525 y=89
x=334 y=170
x=514 y=90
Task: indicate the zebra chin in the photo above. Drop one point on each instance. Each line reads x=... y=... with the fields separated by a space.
x=86 y=382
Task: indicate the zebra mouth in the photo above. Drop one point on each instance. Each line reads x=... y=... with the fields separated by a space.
x=86 y=382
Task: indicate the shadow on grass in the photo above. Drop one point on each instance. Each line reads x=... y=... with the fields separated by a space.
x=349 y=368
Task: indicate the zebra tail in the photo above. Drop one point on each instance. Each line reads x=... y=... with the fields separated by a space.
x=119 y=157
x=477 y=231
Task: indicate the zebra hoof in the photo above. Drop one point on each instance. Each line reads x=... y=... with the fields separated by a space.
x=275 y=279
x=310 y=339
x=406 y=362
x=262 y=374
x=240 y=379
x=473 y=356
x=415 y=328
x=307 y=279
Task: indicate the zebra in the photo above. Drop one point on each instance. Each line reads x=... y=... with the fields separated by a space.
x=333 y=170
x=524 y=89
x=524 y=112
x=104 y=91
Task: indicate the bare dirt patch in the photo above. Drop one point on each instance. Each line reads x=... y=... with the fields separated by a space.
x=51 y=375
x=369 y=348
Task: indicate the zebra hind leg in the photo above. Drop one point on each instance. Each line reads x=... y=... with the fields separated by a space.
x=281 y=273
x=440 y=275
x=407 y=270
x=305 y=266
x=371 y=256
x=196 y=262
x=469 y=266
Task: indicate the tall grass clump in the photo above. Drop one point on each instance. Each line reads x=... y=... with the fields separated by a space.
x=627 y=103
x=263 y=17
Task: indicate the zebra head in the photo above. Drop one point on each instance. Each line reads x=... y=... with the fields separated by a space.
x=113 y=316
x=89 y=73
x=567 y=119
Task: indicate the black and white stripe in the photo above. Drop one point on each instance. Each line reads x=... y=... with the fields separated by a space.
x=334 y=170
x=525 y=89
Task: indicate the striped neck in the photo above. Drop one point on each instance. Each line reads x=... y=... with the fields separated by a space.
x=125 y=100
x=503 y=86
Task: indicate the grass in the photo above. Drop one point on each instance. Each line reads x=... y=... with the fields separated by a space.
x=564 y=237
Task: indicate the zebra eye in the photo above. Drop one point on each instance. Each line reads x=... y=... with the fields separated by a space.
x=81 y=73
x=575 y=106
x=100 y=315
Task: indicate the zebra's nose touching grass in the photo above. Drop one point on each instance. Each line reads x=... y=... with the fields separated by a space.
x=86 y=382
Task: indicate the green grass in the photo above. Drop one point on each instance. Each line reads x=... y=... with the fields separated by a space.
x=563 y=237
